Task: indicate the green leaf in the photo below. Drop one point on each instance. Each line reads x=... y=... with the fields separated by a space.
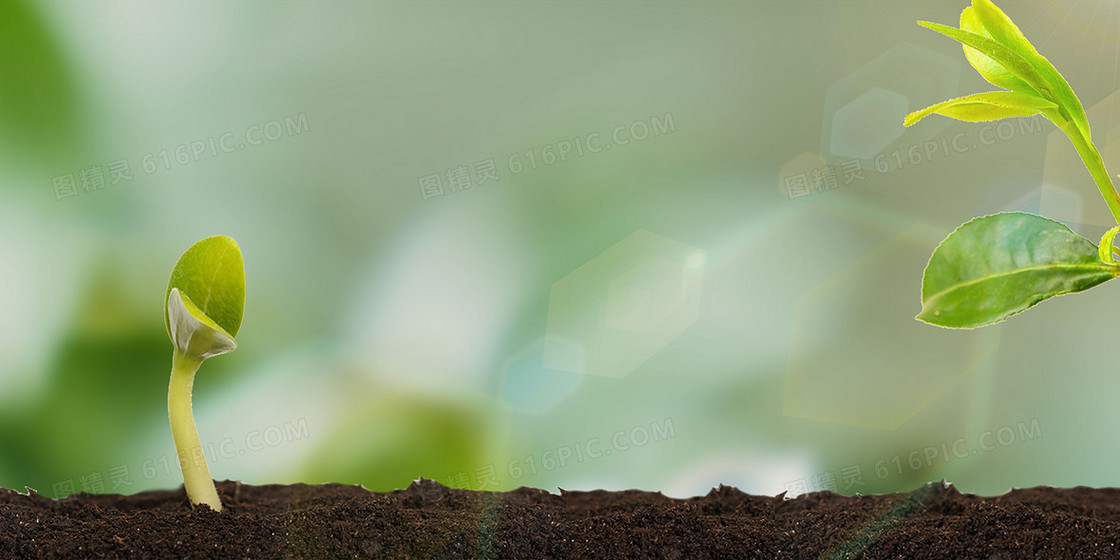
x=991 y=70
x=1005 y=32
x=1001 y=28
x=1009 y=59
x=211 y=278
x=996 y=266
x=985 y=107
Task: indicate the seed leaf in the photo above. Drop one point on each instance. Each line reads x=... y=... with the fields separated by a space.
x=211 y=278
x=1004 y=31
x=985 y=107
x=996 y=266
x=193 y=333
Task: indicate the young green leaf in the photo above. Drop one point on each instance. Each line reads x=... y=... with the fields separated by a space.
x=1001 y=28
x=991 y=70
x=996 y=266
x=1105 y=248
x=999 y=51
x=1011 y=60
x=985 y=107
x=211 y=275
x=1004 y=31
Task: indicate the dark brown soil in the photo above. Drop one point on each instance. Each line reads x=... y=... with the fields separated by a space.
x=428 y=520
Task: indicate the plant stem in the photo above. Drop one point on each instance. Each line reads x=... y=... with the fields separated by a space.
x=1093 y=161
x=196 y=476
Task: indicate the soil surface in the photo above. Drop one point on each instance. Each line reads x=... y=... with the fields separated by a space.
x=428 y=520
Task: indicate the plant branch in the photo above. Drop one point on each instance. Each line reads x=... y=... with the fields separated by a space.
x=1095 y=163
x=196 y=476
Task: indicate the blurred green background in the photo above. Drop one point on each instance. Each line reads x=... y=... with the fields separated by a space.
x=580 y=245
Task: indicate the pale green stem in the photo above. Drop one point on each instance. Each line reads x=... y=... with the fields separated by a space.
x=196 y=476
x=1093 y=161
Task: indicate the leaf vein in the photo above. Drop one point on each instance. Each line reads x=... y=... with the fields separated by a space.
x=1095 y=267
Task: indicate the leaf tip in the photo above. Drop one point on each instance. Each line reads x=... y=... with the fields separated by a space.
x=934 y=319
x=925 y=316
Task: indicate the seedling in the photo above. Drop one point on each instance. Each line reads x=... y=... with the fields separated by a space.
x=1002 y=264
x=202 y=310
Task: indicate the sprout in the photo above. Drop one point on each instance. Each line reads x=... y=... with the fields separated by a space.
x=995 y=266
x=202 y=311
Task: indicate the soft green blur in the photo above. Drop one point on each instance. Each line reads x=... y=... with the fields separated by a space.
x=577 y=245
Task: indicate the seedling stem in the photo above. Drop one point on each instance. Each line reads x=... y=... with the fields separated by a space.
x=1095 y=164
x=196 y=475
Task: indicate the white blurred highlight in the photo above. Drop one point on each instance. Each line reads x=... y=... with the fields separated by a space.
x=38 y=295
x=434 y=313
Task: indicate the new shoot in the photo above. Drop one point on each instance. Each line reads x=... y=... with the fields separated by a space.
x=998 y=265
x=203 y=306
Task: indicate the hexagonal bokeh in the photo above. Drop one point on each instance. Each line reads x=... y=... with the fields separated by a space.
x=863 y=112
x=862 y=128
x=529 y=386
x=646 y=296
x=859 y=357
x=624 y=305
x=1064 y=167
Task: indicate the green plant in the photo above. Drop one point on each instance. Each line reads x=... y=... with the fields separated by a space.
x=202 y=311
x=998 y=265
